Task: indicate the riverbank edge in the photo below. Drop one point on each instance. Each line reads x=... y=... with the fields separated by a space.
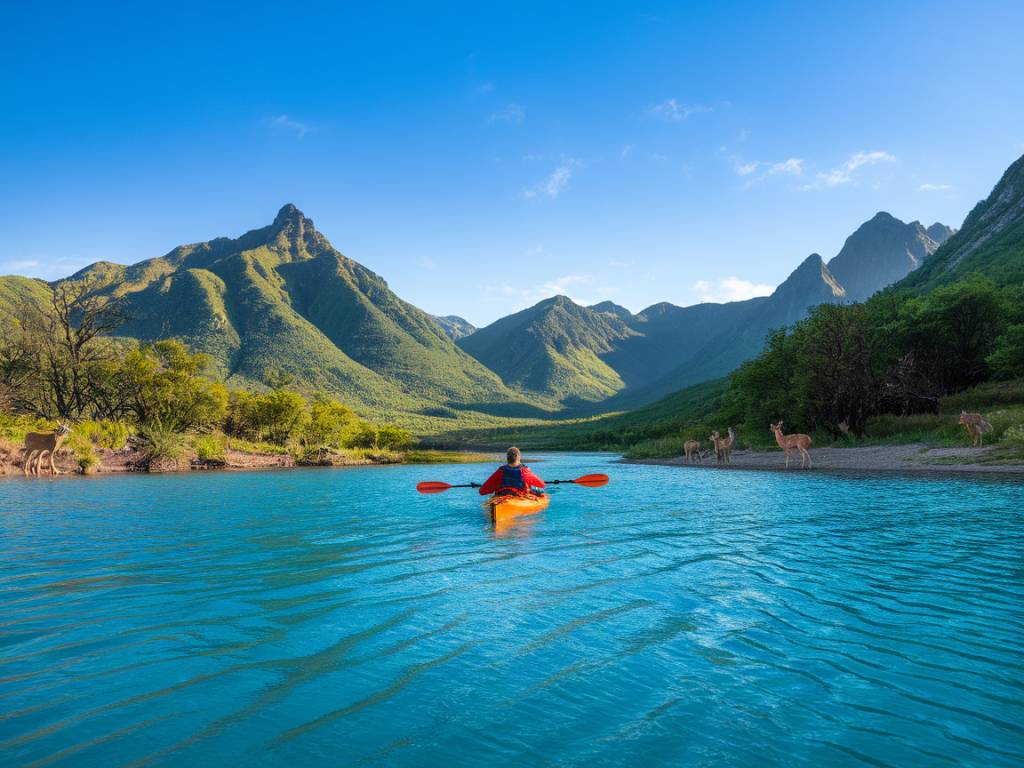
x=131 y=462
x=911 y=457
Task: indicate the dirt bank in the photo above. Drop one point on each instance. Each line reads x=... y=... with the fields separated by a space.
x=916 y=457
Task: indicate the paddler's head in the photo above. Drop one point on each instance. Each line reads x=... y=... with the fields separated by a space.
x=512 y=454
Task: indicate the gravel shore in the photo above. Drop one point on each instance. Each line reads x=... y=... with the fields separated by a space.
x=915 y=457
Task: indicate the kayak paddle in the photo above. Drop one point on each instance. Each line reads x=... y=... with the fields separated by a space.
x=435 y=486
x=591 y=481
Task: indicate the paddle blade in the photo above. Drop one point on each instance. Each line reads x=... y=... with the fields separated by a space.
x=432 y=486
x=592 y=481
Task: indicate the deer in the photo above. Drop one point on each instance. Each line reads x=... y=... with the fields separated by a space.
x=976 y=426
x=788 y=442
x=693 y=452
x=39 y=444
x=718 y=443
x=727 y=445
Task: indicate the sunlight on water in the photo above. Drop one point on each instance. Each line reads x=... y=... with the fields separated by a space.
x=329 y=617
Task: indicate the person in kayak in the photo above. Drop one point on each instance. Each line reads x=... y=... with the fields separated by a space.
x=513 y=478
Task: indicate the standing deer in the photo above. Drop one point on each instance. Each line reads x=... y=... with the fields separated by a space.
x=38 y=445
x=976 y=426
x=727 y=445
x=789 y=442
x=693 y=453
x=717 y=443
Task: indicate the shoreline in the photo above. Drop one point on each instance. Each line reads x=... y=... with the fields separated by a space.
x=907 y=458
x=127 y=461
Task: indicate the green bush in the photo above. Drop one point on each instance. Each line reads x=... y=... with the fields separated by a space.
x=1014 y=436
x=160 y=442
x=210 y=447
x=103 y=434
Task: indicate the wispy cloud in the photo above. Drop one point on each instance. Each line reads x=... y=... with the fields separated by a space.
x=582 y=289
x=730 y=289
x=756 y=171
x=555 y=184
x=285 y=124
x=485 y=87
x=845 y=172
x=510 y=113
x=675 y=111
x=934 y=187
x=42 y=266
x=428 y=264
x=626 y=151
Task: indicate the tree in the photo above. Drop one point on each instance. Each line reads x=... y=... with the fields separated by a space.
x=953 y=330
x=165 y=387
x=1007 y=358
x=60 y=350
x=330 y=424
x=838 y=368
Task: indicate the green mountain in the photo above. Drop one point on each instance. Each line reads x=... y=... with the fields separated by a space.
x=605 y=358
x=454 y=327
x=282 y=299
x=991 y=240
x=553 y=349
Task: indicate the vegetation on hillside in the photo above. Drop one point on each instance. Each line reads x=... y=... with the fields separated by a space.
x=60 y=364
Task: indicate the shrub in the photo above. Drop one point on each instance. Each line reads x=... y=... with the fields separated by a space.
x=87 y=459
x=1014 y=436
x=210 y=447
x=103 y=434
x=160 y=443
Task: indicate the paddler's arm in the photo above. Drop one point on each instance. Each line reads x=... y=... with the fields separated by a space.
x=531 y=479
x=492 y=483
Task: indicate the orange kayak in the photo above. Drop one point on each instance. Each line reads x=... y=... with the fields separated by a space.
x=505 y=507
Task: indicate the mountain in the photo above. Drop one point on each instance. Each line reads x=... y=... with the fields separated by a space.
x=553 y=349
x=605 y=354
x=883 y=251
x=453 y=326
x=611 y=308
x=990 y=242
x=282 y=299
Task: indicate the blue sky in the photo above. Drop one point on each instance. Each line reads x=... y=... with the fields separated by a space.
x=481 y=157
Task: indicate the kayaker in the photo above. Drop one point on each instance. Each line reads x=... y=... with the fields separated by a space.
x=513 y=478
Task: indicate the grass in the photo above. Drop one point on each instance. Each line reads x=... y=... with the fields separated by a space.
x=1001 y=403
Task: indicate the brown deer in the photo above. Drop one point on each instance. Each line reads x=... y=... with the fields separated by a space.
x=693 y=452
x=976 y=426
x=717 y=443
x=789 y=442
x=38 y=445
x=727 y=445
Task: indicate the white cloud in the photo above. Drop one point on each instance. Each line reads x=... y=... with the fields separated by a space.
x=672 y=110
x=510 y=113
x=281 y=123
x=580 y=288
x=485 y=87
x=757 y=170
x=730 y=289
x=844 y=173
x=43 y=266
x=428 y=264
x=554 y=184
x=626 y=151
x=934 y=187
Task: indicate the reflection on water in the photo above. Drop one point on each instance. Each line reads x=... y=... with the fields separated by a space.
x=333 y=617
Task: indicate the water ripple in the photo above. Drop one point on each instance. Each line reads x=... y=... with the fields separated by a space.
x=673 y=617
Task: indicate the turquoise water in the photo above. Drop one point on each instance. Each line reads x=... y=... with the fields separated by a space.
x=330 y=617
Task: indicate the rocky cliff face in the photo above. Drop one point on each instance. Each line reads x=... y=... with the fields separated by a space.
x=991 y=241
x=883 y=251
